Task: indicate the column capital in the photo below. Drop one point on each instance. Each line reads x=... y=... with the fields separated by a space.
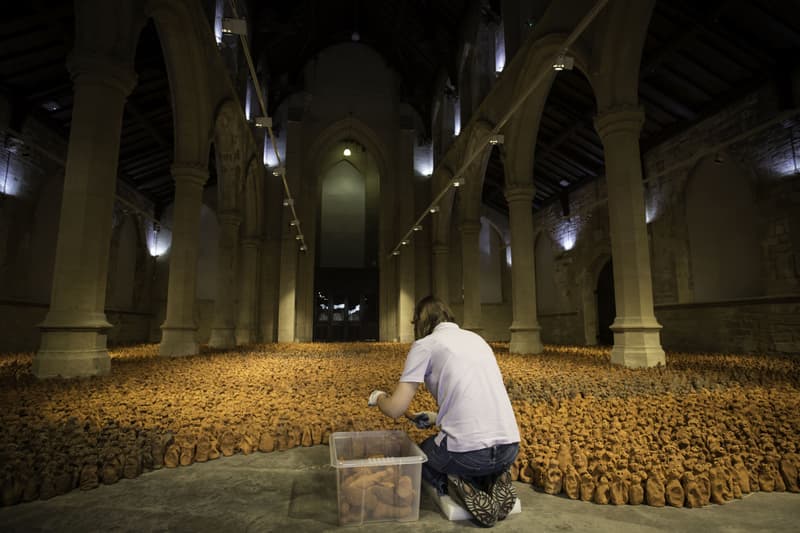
x=469 y=226
x=440 y=249
x=619 y=119
x=91 y=69
x=189 y=173
x=519 y=193
x=229 y=218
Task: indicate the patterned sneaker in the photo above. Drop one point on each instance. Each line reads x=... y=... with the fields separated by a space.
x=503 y=492
x=482 y=506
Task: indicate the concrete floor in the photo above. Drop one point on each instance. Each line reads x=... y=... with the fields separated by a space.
x=296 y=491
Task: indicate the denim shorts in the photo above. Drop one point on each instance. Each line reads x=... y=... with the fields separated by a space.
x=469 y=465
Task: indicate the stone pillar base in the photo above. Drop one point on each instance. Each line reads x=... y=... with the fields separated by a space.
x=222 y=338
x=637 y=347
x=245 y=336
x=525 y=340
x=178 y=342
x=72 y=353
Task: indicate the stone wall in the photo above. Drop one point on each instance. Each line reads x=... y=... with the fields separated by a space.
x=764 y=325
x=561 y=328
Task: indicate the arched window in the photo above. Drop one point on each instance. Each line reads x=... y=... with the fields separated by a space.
x=342 y=217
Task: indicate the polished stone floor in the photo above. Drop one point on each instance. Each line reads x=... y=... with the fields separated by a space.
x=295 y=491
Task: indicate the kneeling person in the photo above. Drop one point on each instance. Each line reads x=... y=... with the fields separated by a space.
x=478 y=437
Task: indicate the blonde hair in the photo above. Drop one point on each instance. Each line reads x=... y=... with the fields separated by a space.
x=429 y=313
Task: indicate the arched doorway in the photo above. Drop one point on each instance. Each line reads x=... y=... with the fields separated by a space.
x=346 y=277
x=606 y=305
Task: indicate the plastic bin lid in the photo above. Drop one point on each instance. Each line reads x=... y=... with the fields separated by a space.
x=416 y=455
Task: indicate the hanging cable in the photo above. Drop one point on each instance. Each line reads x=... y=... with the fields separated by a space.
x=492 y=136
x=281 y=168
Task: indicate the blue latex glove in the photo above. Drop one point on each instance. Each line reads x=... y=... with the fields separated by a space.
x=425 y=419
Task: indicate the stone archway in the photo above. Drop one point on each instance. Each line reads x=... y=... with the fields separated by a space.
x=589 y=285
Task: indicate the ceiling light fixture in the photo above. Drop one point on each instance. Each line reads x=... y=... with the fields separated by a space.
x=347 y=152
x=234 y=26
x=563 y=62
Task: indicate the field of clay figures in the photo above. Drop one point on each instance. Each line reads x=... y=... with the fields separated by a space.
x=708 y=428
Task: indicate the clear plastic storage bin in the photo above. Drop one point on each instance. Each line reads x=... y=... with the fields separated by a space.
x=378 y=476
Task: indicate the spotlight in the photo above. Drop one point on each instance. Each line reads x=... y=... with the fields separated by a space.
x=263 y=122
x=396 y=252
x=434 y=209
x=497 y=139
x=458 y=182
x=417 y=228
x=403 y=242
x=287 y=202
x=294 y=222
x=279 y=171
x=298 y=237
x=233 y=26
x=347 y=152
x=563 y=62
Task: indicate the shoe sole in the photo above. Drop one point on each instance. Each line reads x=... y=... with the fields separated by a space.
x=483 y=508
x=504 y=494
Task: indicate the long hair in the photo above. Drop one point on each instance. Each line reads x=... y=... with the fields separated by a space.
x=429 y=313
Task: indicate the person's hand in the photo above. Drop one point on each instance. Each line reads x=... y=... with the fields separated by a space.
x=425 y=419
x=373 y=397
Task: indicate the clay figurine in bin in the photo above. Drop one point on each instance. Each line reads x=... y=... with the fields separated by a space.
x=478 y=438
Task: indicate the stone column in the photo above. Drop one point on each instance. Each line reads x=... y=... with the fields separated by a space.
x=637 y=340
x=222 y=331
x=179 y=329
x=525 y=330
x=248 y=285
x=441 y=278
x=406 y=286
x=471 y=274
x=287 y=288
x=73 y=341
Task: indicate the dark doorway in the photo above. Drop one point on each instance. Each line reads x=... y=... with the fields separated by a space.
x=606 y=305
x=346 y=305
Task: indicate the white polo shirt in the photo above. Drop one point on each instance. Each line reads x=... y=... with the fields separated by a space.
x=460 y=370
